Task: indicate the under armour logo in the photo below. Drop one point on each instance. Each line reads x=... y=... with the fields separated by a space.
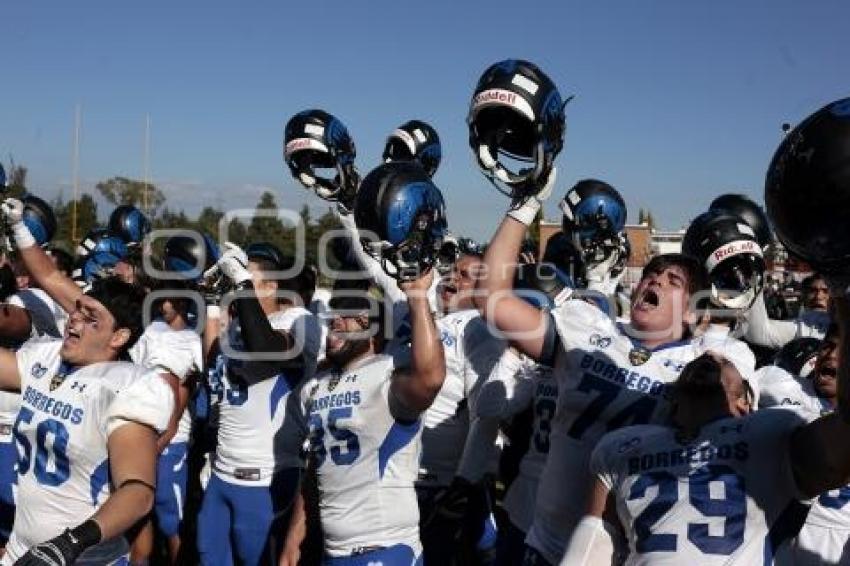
x=351 y=378
x=78 y=386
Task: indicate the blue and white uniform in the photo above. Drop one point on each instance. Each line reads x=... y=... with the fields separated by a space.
x=61 y=433
x=605 y=381
x=180 y=353
x=365 y=460
x=727 y=497
x=764 y=331
x=249 y=491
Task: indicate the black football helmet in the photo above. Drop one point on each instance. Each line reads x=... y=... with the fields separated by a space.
x=402 y=218
x=594 y=217
x=747 y=209
x=516 y=112
x=314 y=140
x=807 y=189
x=130 y=224
x=562 y=253
x=542 y=285
x=415 y=140
x=733 y=258
x=798 y=356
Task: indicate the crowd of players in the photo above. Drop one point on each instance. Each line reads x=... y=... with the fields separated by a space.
x=441 y=404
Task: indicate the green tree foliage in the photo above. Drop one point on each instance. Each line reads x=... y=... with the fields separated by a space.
x=121 y=190
x=86 y=220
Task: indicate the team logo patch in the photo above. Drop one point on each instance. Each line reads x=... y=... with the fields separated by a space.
x=38 y=371
x=56 y=381
x=639 y=355
x=600 y=341
x=674 y=365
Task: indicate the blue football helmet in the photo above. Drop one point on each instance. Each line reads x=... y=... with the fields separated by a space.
x=97 y=255
x=39 y=218
x=130 y=224
x=594 y=217
x=402 y=218
x=101 y=240
x=188 y=258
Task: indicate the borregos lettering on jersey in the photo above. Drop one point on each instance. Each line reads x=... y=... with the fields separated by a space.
x=694 y=455
x=334 y=400
x=604 y=368
x=50 y=406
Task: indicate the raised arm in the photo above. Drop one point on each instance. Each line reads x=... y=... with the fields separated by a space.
x=524 y=325
x=61 y=289
x=417 y=386
x=764 y=331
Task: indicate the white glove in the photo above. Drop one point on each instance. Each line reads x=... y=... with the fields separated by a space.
x=525 y=210
x=12 y=210
x=233 y=264
x=599 y=276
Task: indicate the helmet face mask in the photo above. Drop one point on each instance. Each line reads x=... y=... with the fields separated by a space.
x=320 y=154
x=595 y=217
x=737 y=281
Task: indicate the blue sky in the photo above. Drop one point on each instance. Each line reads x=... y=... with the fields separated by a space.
x=675 y=102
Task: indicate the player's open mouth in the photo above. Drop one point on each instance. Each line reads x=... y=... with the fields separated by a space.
x=649 y=300
x=447 y=289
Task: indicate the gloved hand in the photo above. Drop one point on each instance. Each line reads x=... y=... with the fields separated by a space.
x=233 y=264
x=58 y=551
x=524 y=210
x=12 y=210
x=600 y=277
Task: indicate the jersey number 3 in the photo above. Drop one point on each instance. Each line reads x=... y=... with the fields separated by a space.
x=48 y=427
x=732 y=507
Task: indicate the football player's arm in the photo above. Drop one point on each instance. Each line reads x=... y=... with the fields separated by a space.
x=10 y=377
x=296 y=533
x=57 y=285
x=369 y=264
x=819 y=453
x=132 y=464
x=416 y=387
x=591 y=543
x=181 y=392
x=275 y=345
x=764 y=331
x=524 y=325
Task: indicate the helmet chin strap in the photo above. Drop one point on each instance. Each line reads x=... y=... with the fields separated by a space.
x=513 y=185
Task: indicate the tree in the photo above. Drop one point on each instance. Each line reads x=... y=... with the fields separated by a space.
x=641 y=216
x=16 y=178
x=267 y=227
x=650 y=220
x=86 y=220
x=121 y=190
x=208 y=220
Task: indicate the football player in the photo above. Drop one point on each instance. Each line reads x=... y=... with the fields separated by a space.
x=609 y=374
x=812 y=321
x=719 y=486
x=363 y=420
x=269 y=347
x=88 y=425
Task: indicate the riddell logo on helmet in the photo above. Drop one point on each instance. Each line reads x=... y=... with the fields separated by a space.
x=731 y=249
x=495 y=95
x=300 y=144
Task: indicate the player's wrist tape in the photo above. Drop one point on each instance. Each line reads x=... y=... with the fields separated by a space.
x=526 y=212
x=213 y=311
x=23 y=236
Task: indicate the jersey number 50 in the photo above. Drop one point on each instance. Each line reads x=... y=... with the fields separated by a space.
x=44 y=429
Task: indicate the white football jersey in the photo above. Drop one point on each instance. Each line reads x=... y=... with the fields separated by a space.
x=177 y=351
x=522 y=495
x=250 y=415
x=365 y=460
x=471 y=351
x=605 y=382
x=826 y=533
x=780 y=388
x=62 y=430
x=48 y=318
x=727 y=497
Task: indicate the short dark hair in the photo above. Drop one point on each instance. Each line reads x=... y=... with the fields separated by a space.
x=303 y=283
x=806 y=284
x=694 y=270
x=64 y=260
x=124 y=302
x=700 y=379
